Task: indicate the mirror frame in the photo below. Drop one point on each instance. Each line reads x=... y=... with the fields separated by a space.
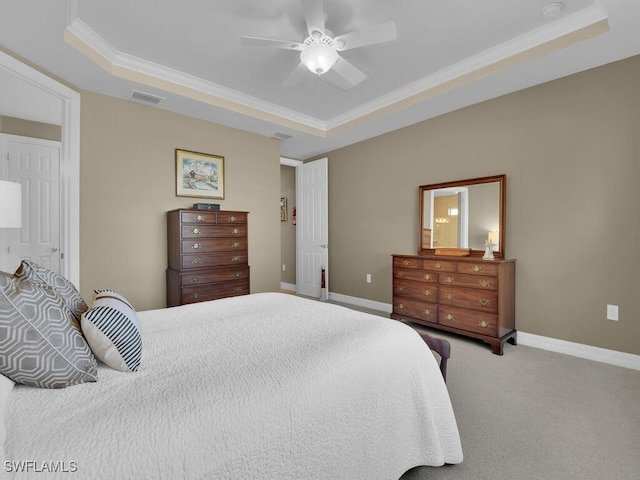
x=500 y=179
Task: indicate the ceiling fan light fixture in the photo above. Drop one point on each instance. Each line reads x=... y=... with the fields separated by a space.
x=319 y=57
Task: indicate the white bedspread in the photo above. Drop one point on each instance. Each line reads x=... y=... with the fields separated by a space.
x=265 y=386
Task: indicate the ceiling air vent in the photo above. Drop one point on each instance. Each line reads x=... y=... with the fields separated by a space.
x=281 y=136
x=146 y=97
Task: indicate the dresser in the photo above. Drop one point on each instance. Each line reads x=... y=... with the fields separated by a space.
x=463 y=295
x=207 y=255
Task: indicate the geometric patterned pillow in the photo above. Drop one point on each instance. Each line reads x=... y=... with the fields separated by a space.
x=112 y=330
x=30 y=272
x=39 y=346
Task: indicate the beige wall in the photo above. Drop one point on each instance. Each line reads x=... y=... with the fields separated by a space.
x=127 y=174
x=569 y=149
x=27 y=128
x=287 y=230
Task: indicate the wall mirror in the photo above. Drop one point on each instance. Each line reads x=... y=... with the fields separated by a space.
x=463 y=214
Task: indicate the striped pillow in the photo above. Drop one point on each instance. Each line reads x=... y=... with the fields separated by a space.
x=112 y=330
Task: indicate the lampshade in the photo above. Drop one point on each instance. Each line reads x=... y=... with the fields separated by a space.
x=10 y=204
x=319 y=57
x=494 y=238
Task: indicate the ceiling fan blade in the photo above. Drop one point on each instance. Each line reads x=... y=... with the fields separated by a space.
x=296 y=75
x=271 y=42
x=348 y=71
x=384 y=32
x=313 y=15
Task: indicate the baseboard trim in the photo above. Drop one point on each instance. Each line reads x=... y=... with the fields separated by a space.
x=361 y=302
x=597 y=354
x=288 y=286
x=588 y=352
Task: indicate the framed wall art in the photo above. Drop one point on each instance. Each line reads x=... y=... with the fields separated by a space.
x=199 y=175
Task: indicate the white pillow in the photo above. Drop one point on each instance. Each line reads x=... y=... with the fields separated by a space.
x=112 y=330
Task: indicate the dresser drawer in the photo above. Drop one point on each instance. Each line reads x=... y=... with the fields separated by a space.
x=416 y=309
x=202 y=293
x=407 y=262
x=203 y=231
x=225 y=218
x=439 y=265
x=472 y=281
x=206 y=245
x=211 y=276
x=419 y=275
x=198 y=217
x=422 y=291
x=478 y=268
x=478 y=322
x=482 y=300
x=213 y=260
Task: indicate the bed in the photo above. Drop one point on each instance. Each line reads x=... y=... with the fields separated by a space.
x=264 y=386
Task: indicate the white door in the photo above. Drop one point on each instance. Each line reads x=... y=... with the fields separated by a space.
x=35 y=164
x=312 y=227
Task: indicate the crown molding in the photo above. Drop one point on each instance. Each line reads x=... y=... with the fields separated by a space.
x=553 y=36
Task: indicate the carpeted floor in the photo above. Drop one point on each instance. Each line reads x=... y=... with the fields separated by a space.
x=537 y=415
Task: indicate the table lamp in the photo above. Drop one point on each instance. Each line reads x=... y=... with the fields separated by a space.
x=10 y=204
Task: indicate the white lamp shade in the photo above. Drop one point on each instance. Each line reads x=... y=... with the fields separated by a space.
x=10 y=204
x=319 y=57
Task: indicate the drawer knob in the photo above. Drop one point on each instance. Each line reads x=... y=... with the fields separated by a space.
x=237 y=274
x=400 y=274
x=238 y=289
x=449 y=279
x=195 y=295
x=484 y=302
x=235 y=244
x=427 y=293
x=427 y=312
x=450 y=317
x=407 y=263
x=450 y=296
x=195 y=246
x=476 y=268
x=428 y=276
x=232 y=218
x=485 y=283
x=438 y=265
x=235 y=259
x=483 y=324
x=195 y=231
x=400 y=306
x=195 y=279
x=195 y=261
x=400 y=288
x=200 y=218
x=235 y=231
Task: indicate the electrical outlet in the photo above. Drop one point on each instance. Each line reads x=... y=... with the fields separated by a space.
x=368 y=278
x=612 y=312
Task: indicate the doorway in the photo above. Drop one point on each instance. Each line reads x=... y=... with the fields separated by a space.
x=29 y=94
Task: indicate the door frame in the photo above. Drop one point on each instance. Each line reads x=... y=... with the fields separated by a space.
x=69 y=119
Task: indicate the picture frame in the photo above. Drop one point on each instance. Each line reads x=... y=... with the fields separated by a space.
x=283 y=209
x=199 y=175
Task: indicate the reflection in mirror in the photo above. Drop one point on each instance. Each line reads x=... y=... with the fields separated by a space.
x=464 y=214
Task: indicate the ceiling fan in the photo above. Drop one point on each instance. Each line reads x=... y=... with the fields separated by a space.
x=319 y=52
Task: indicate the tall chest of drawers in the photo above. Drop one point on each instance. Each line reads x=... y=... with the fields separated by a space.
x=207 y=255
x=464 y=295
